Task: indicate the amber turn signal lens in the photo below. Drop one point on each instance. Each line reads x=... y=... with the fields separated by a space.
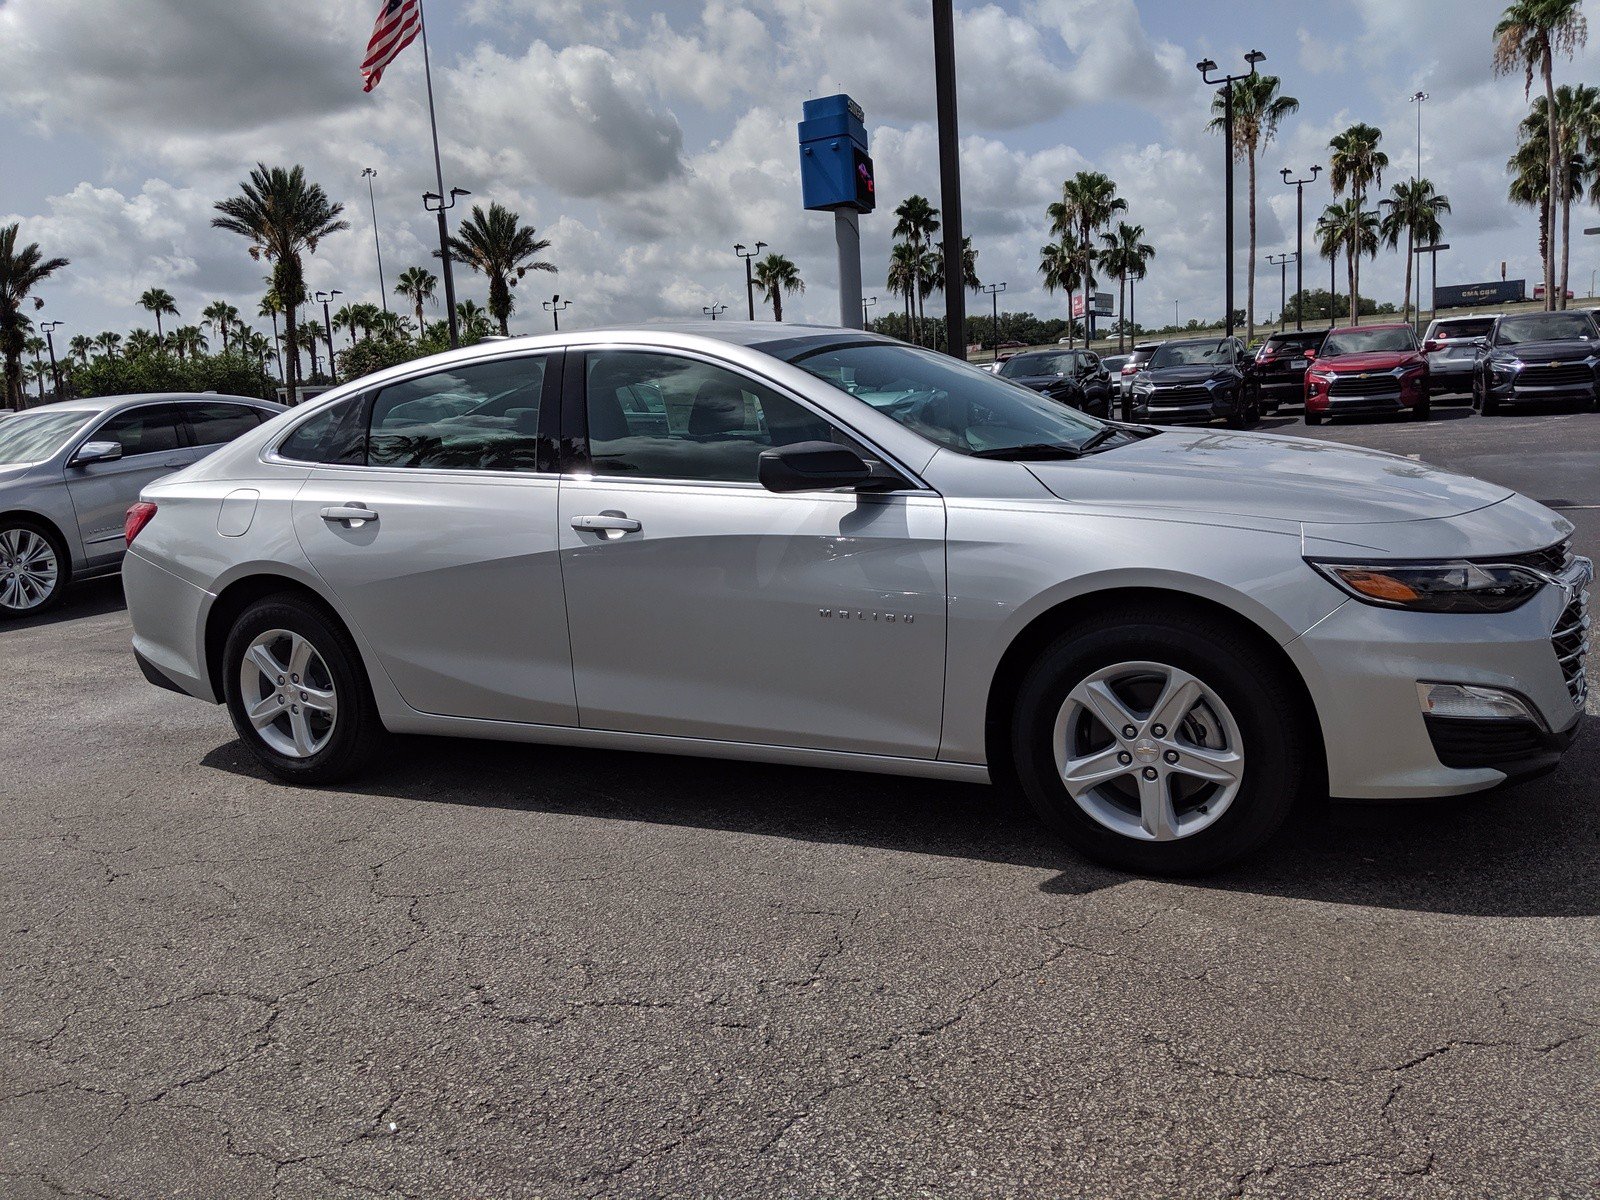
x=1381 y=587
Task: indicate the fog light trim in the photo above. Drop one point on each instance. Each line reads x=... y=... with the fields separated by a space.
x=1470 y=702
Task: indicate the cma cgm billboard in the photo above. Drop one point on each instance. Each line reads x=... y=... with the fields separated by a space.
x=1466 y=295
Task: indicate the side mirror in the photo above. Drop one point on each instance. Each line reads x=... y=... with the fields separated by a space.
x=1433 y=345
x=1309 y=354
x=811 y=467
x=96 y=452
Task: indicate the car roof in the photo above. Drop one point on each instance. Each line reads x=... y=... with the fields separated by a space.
x=1479 y=317
x=1362 y=328
x=104 y=404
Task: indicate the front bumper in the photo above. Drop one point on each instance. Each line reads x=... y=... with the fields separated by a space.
x=1362 y=665
x=1515 y=389
x=1156 y=411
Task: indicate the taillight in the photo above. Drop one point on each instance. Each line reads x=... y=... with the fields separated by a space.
x=138 y=517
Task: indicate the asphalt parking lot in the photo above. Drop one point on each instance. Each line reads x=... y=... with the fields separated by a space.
x=497 y=971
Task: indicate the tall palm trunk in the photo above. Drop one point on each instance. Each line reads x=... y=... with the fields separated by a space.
x=291 y=360
x=1555 y=172
x=1411 y=258
x=1122 y=309
x=1566 y=228
x=1355 y=260
x=1250 y=284
x=1352 y=265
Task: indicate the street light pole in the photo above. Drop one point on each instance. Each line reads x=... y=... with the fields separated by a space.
x=866 y=303
x=944 y=86
x=1299 y=186
x=326 y=300
x=749 y=278
x=1206 y=67
x=383 y=294
x=435 y=202
x=993 y=291
x=1282 y=261
x=1432 y=250
x=555 y=306
x=714 y=310
x=49 y=329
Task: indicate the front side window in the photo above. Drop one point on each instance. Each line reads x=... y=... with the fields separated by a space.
x=149 y=430
x=34 y=437
x=214 y=424
x=1545 y=327
x=1369 y=341
x=951 y=404
x=658 y=416
x=480 y=416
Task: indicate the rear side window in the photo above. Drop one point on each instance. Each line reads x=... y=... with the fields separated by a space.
x=149 y=430
x=472 y=417
x=214 y=424
x=336 y=436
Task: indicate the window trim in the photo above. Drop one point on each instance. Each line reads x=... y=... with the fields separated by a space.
x=550 y=397
x=575 y=418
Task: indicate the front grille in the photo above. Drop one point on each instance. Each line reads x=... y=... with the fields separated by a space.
x=1570 y=641
x=1562 y=375
x=1371 y=385
x=1186 y=394
x=1552 y=560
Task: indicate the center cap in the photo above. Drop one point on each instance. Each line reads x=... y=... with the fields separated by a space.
x=1146 y=751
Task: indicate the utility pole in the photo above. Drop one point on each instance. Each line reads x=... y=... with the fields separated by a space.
x=555 y=306
x=1433 y=251
x=944 y=83
x=714 y=310
x=383 y=295
x=1205 y=67
x=434 y=202
x=326 y=300
x=48 y=328
x=1299 y=186
x=1282 y=261
x=866 y=303
x=749 y=277
x=993 y=291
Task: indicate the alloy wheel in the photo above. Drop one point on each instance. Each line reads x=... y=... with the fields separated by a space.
x=288 y=693
x=30 y=572
x=1149 y=751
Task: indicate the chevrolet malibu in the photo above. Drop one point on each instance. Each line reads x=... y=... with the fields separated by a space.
x=827 y=548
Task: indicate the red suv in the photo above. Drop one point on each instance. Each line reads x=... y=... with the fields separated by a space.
x=1368 y=369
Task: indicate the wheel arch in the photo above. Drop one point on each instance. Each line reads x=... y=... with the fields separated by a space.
x=68 y=542
x=1062 y=617
x=239 y=595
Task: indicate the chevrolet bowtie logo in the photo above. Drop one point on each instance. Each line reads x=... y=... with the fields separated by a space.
x=1365 y=375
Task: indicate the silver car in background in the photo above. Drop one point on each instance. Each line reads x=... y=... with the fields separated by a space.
x=69 y=471
x=828 y=548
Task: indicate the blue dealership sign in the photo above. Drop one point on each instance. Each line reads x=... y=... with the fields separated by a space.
x=835 y=162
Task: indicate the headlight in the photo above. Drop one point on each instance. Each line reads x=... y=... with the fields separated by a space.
x=1314 y=377
x=1508 y=366
x=1143 y=389
x=1441 y=587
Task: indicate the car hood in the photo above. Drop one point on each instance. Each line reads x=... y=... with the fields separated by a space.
x=1376 y=360
x=1549 y=351
x=16 y=473
x=1191 y=373
x=1262 y=477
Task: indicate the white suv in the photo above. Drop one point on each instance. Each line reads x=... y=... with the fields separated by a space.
x=829 y=548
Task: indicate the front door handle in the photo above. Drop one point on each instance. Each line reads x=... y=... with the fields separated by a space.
x=608 y=524
x=354 y=514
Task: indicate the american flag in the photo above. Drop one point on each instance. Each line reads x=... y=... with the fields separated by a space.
x=396 y=28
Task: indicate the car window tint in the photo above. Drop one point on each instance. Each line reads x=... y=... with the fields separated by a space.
x=480 y=416
x=149 y=430
x=658 y=416
x=335 y=436
x=214 y=424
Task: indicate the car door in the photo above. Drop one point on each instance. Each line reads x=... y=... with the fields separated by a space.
x=434 y=527
x=154 y=443
x=702 y=605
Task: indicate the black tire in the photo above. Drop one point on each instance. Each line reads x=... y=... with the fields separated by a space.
x=357 y=732
x=1266 y=707
x=20 y=525
x=1313 y=418
x=1491 y=404
x=1422 y=411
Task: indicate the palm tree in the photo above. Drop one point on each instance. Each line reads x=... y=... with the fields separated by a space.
x=1577 y=116
x=271 y=306
x=1258 y=109
x=497 y=244
x=1350 y=230
x=1061 y=268
x=391 y=326
x=1124 y=253
x=1356 y=163
x=158 y=302
x=35 y=346
x=1413 y=211
x=1530 y=173
x=220 y=317
x=1529 y=35
x=141 y=343
x=21 y=270
x=284 y=217
x=775 y=275
x=417 y=285
x=350 y=318
x=969 y=268
x=916 y=221
x=473 y=322
x=1088 y=203
x=79 y=347
x=109 y=343
x=187 y=340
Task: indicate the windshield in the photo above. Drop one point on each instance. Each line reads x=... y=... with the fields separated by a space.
x=34 y=437
x=1182 y=354
x=951 y=404
x=1368 y=341
x=1446 y=331
x=1037 y=364
x=1280 y=343
x=1544 y=327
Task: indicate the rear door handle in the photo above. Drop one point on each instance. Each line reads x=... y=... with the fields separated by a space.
x=607 y=523
x=354 y=514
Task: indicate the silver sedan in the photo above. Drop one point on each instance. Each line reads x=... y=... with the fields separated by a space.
x=69 y=471
x=821 y=547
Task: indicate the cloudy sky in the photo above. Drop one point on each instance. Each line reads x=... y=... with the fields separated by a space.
x=645 y=141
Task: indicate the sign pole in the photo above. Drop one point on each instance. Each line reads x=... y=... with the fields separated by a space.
x=944 y=75
x=847 y=236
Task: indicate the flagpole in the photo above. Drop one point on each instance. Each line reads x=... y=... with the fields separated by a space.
x=438 y=168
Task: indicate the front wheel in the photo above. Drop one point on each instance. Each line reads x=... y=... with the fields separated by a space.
x=33 y=568
x=1422 y=411
x=1159 y=741
x=1313 y=418
x=298 y=694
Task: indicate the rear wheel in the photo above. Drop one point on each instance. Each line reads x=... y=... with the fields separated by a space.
x=33 y=568
x=1159 y=742
x=1422 y=411
x=1313 y=418
x=298 y=694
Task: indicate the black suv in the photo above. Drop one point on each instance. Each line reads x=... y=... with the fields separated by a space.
x=1452 y=345
x=1277 y=373
x=1538 y=357
x=1196 y=381
x=1074 y=377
